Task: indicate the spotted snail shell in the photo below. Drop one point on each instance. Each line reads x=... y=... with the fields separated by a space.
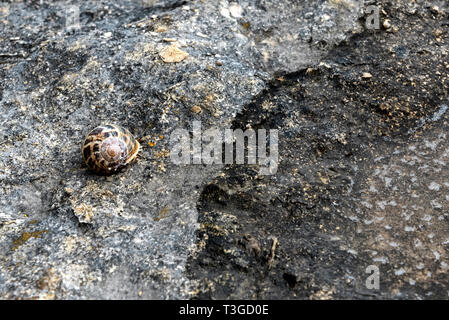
x=109 y=148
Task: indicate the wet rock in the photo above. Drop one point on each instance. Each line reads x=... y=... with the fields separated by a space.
x=360 y=181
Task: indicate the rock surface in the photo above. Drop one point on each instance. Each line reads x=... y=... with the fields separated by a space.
x=362 y=177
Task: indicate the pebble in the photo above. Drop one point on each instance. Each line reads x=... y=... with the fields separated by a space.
x=235 y=10
x=173 y=54
x=367 y=75
x=435 y=9
x=225 y=12
x=195 y=109
x=161 y=29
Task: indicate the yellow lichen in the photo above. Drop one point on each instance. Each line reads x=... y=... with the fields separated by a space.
x=162 y=214
x=162 y=154
x=25 y=236
x=173 y=54
x=84 y=212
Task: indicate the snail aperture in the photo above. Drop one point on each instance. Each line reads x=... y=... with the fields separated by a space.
x=109 y=148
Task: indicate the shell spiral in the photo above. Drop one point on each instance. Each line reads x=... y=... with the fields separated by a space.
x=109 y=148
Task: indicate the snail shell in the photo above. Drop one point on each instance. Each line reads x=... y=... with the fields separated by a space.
x=109 y=148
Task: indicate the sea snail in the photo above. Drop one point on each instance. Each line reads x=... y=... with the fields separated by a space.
x=109 y=148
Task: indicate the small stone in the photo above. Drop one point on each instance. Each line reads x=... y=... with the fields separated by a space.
x=435 y=9
x=367 y=75
x=225 y=12
x=84 y=213
x=202 y=35
x=325 y=17
x=68 y=190
x=219 y=63
x=235 y=10
x=310 y=70
x=161 y=29
x=387 y=24
x=438 y=33
x=195 y=109
x=173 y=54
